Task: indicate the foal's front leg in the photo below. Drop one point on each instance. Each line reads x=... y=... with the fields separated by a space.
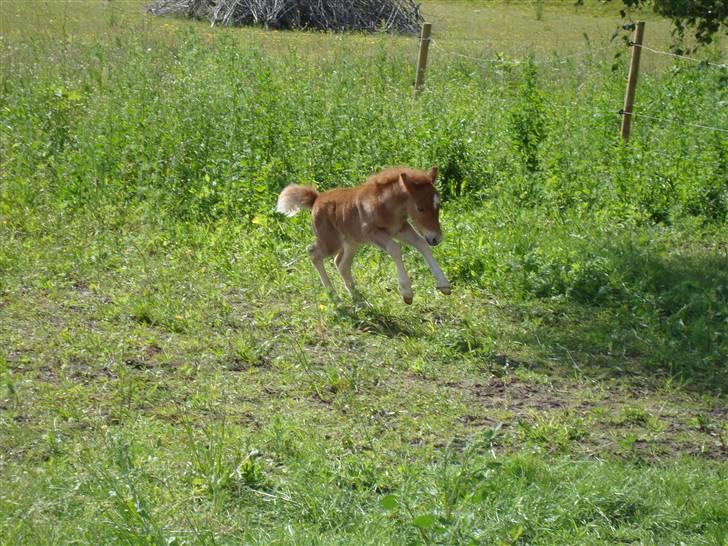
x=408 y=235
x=384 y=241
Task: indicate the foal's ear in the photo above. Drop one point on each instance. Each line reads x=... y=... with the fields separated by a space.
x=406 y=182
x=433 y=173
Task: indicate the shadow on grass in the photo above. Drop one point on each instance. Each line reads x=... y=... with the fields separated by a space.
x=665 y=318
x=371 y=320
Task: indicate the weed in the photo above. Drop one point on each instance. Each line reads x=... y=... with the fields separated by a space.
x=219 y=469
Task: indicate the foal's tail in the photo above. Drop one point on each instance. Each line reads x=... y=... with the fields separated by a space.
x=294 y=198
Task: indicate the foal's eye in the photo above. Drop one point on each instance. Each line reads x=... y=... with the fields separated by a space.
x=421 y=209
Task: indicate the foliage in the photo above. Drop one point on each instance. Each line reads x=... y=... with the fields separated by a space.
x=705 y=17
x=527 y=118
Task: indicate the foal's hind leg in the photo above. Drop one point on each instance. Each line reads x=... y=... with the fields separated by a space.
x=343 y=262
x=317 y=257
x=327 y=244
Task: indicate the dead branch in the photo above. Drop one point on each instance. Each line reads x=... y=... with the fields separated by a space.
x=402 y=16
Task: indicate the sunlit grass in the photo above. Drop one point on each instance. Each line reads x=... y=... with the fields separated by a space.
x=171 y=371
x=480 y=29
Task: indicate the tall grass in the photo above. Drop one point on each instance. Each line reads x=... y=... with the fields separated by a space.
x=210 y=129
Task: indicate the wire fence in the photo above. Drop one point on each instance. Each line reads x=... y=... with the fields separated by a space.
x=675 y=55
x=673 y=121
x=498 y=60
x=485 y=61
x=564 y=59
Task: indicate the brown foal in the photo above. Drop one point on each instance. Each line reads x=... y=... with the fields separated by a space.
x=374 y=212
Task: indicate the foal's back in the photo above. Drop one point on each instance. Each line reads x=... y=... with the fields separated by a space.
x=339 y=215
x=377 y=203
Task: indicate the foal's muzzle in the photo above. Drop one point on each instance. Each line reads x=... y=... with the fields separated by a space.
x=433 y=240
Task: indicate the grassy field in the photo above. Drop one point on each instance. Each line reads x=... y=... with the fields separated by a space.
x=171 y=371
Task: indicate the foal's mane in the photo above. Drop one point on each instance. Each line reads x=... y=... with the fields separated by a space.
x=391 y=175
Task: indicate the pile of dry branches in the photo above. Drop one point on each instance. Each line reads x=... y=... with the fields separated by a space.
x=338 y=15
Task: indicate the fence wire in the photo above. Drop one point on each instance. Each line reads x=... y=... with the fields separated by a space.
x=684 y=57
x=484 y=61
x=674 y=121
x=480 y=60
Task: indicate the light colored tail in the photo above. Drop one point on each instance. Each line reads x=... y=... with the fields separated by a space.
x=294 y=198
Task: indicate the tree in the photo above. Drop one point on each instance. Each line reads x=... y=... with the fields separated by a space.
x=704 y=18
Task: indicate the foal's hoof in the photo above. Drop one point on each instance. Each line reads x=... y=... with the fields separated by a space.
x=445 y=290
x=407 y=299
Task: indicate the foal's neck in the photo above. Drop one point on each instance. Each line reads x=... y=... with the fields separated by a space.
x=395 y=195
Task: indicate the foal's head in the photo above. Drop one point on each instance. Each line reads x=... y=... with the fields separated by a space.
x=424 y=203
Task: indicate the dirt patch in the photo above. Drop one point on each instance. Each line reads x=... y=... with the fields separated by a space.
x=625 y=421
x=515 y=395
x=145 y=358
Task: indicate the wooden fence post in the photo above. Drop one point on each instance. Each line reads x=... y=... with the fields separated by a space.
x=634 y=67
x=422 y=58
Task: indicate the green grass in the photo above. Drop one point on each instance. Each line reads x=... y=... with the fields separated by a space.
x=171 y=370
